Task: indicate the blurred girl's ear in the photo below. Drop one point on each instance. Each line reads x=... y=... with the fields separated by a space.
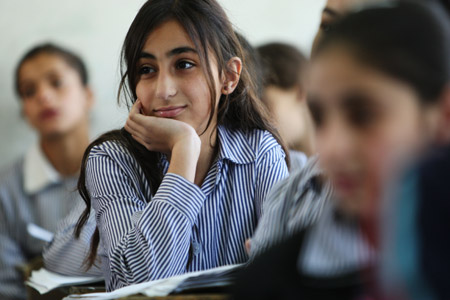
x=444 y=112
x=232 y=75
x=89 y=97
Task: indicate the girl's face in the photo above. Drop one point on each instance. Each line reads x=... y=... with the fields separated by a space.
x=288 y=108
x=171 y=82
x=55 y=102
x=367 y=125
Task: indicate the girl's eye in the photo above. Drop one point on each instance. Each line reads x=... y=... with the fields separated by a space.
x=362 y=117
x=146 y=70
x=361 y=112
x=56 y=83
x=326 y=27
x=317 y=113
x=28 y=92
x=184 y=65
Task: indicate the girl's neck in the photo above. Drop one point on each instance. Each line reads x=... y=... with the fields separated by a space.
x=208 y=153
x=65 y=151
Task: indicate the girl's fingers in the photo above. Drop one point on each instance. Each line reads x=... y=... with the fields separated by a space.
x=140 y=118
x=131 y=126
x=137 y=132
x=136 y=108
x=142 y=142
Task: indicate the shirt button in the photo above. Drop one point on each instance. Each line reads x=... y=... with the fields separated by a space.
x=196 y=248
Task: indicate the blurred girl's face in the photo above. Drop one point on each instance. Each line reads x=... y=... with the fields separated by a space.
x=55 y=102
x=288 y=108
x=367 y=124
x=171 y=81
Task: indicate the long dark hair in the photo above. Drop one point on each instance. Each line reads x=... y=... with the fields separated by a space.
x=407 y=40
x=210 y=30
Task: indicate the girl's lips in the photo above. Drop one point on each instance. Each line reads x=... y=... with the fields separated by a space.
x=169 y=112
x=345 y=184
x=48 y=114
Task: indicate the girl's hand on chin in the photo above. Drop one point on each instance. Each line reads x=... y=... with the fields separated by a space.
x=161 y=134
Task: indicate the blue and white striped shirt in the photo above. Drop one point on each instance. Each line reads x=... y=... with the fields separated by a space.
x=31 y=192
x=184 y=227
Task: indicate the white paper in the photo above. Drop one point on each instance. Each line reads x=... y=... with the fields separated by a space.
x=39 y=233
x=156 y=288
x=44 y=281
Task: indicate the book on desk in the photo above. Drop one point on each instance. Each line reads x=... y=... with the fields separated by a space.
x=46 y=281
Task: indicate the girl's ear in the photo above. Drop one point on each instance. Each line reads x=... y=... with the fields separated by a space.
x=89 y=97
x=232 y=75
x=444 y=122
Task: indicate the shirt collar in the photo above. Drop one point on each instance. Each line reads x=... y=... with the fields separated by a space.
x=235 y=146
x=37 y=170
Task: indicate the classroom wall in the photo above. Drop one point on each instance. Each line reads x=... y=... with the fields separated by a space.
x=95 y=29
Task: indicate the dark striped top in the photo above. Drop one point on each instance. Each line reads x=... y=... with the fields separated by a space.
x=333 y=245
x=183 y=227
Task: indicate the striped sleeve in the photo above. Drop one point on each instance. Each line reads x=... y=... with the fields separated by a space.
x=64 y=244
x=271 y=168
x=292 y=204
x=143 y=241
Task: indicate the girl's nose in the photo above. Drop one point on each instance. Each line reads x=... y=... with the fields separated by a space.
x=43 y=94
x=166 y=86
x=335 y=141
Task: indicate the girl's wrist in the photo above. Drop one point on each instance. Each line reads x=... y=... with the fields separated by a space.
x=184 y=157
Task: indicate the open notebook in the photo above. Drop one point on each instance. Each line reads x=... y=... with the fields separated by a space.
x=44 y=281
x=221 y=276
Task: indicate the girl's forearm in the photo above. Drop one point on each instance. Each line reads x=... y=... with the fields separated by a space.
x=184 y=158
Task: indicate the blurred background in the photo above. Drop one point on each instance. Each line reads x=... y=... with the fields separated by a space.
x=95 y=30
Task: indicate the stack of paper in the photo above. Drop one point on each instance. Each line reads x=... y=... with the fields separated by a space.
x=210 y=278
x=44 y=281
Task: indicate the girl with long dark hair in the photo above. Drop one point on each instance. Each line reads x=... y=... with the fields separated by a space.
x=180 y=188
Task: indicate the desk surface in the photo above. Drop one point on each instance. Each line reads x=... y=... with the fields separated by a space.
x=212 y=295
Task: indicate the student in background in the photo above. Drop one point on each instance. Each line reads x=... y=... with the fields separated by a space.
x=285 y=70
x=39 y=189
x=181 y=187
x=252 y=64
x=332 y=12
x=379 y=96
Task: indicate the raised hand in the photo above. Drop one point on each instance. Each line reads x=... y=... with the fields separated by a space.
x=175 y=138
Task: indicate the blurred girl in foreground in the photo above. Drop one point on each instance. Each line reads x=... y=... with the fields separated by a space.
x=379 y=96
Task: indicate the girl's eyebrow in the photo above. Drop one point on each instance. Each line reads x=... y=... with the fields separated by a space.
x=170 y=53
x=330 y=11
x=180 y=50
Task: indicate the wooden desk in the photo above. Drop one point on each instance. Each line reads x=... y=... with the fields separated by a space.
x=181 y=297
x=213 y=295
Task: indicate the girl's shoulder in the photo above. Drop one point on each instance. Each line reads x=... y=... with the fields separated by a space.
x=252 y=144
x=109 y=147
x=11 y=177
x=303 y=194
x=114 y=152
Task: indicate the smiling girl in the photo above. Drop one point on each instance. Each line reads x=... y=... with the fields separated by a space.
x=181 y=187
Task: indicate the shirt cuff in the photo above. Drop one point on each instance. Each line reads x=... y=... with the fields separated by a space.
x=181 y=194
